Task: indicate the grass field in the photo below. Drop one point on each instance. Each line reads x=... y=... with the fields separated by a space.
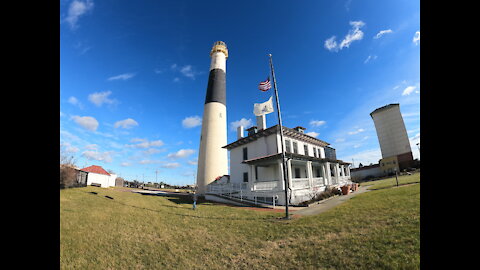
x=379 y=229
x=391 y=182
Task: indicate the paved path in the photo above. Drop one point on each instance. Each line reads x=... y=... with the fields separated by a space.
x=328 y=204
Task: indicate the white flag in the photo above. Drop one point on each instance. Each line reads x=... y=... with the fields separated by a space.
x=263 y=108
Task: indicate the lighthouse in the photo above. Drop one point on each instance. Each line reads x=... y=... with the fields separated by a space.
x=212 y=158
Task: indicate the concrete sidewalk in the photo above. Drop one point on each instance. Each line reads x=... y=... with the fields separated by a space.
x=328 y=204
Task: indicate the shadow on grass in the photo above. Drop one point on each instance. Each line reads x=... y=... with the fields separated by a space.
x=185 y=200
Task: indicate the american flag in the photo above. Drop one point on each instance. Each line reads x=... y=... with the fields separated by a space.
x=265 y=86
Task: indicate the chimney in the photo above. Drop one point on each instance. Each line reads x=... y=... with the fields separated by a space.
x=299 y=129
x=252 y=130
x=239 y=132
x=261 y=122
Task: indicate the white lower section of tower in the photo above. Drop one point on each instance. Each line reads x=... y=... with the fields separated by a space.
x=218 y=61
x=212 y=158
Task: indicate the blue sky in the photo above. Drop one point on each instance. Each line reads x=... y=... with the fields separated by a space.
x=133 y=76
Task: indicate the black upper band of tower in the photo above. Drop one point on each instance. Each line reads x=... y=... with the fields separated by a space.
x=216 y=89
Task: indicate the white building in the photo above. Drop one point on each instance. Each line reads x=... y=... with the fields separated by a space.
x=96 y=175
x=256 y=169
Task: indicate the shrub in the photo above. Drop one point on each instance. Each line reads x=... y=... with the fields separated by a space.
x=327 y=193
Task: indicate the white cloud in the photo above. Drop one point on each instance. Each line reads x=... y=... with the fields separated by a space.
x=152 y=151
x=144 y=143
x=124 y=77
x=149 y=161
x=125 y=164
x=372 y=57
x=416 y=38
x=170 y=165
x=94 y=155
x=365 y=157
x=353 y=34
x=317 y=123
x=356 y=131
x=187 y=71
x=331 y=44
x=127 y=123
x=74 y=101
x=91 y=147
x=86 y=122
x=192 y=162
x=76 y=10
x=182 y=153
x=246 y=123
x=69 y=148
x=192 y=121
x=407 y=91
x=382 y=32
x=340 y=140
x=313 y=134
x=99 y=98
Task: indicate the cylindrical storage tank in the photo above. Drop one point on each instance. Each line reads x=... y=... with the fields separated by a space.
x=391 y=131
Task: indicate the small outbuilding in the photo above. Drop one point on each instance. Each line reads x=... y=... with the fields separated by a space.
x=97 y=176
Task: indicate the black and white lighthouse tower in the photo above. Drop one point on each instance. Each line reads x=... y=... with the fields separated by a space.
x=212 y=158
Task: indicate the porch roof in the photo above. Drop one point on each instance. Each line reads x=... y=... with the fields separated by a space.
x=293 y=156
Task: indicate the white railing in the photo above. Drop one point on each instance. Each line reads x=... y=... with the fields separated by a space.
x=224 y=188
x=240 y=192
x=267 y=185
x=318 y=181
x=298 y=183
x=334 y=180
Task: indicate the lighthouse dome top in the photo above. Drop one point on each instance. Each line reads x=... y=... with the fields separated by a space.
x=219 y=46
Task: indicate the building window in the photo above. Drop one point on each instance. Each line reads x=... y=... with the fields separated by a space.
x=288 y=148
x=256 y=173
x=297 y=172
x=245 y=177
x=295 y=147
x=245 y=153
x=305 y=149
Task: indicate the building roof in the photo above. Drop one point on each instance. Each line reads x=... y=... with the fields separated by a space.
x=272 y=130
x=385 y=107
x=364 y=168
x=95 y=169
x=292 y=156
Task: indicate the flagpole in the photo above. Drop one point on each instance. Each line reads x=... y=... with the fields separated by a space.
x=281 y=138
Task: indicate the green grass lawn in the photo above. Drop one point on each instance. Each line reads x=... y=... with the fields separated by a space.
x=391 y=182
x=379 y=229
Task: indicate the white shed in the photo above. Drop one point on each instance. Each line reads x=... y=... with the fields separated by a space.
x=99 y=176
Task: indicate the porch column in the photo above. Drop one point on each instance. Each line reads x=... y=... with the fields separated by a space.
x=280 y=174
x=336 y=172
x=289 y=171
x=251 y=176
x=310 y=173
x=324 y=174
x=328 y=177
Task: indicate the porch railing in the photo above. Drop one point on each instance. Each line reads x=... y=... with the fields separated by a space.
x=318 y=181
x=267 y=185
x=298 y=183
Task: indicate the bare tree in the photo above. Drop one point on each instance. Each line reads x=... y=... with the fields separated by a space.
x=68 y=173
